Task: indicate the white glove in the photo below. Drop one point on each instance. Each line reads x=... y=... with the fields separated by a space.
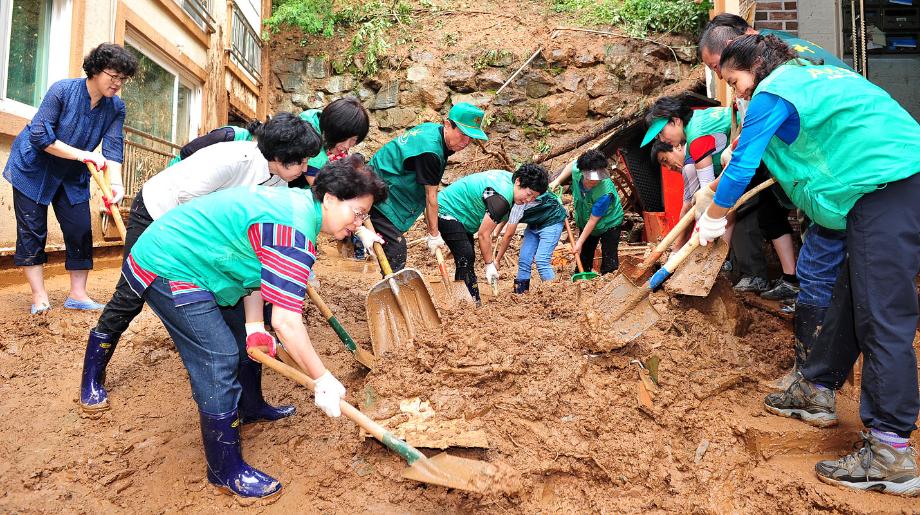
x=701 y=200
x=710 y=228
x=258 y=337
x=368 y=238
x=327 y=393
x=491 y=272
x=93 y=157
x=726 y=157
x=313 y=280
x=434 y=242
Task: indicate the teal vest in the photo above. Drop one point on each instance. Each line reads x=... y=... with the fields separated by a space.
x=463 y=201
x=806 y=48
x=853 y=139
x=406 y=199
x=205 y=241
x=714 y=120
x=548 y=211
x=311 y=116
x=584 y=202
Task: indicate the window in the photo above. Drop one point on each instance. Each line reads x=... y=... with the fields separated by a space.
x=246 y=45
x=200 y=12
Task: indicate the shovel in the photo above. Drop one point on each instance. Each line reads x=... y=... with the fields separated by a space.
x=363 y=357
x=107 y=193
x=397 y=304
x=581 y=275
x=456 y=290
x=443 y=469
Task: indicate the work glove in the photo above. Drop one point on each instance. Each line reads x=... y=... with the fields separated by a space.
x=368 y=238
x=118 y=188
x=491 y=272
x=702 y=199
x=257 y=337
x=434 y=242
x=93 y=157
x=709 y=228
x=727 y=155
x=327 y=392
x=313 y=280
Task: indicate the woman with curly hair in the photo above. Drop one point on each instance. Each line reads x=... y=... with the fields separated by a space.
x=47 y=166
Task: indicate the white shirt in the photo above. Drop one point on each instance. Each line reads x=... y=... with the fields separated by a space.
x=213 y=168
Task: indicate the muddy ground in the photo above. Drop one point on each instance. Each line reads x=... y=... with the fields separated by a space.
x=565 y=420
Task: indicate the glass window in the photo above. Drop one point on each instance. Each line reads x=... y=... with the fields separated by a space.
x=27 y=68
x=157 y=101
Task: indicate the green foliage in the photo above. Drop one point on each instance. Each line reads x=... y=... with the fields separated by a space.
x=638 y=17
x=313 y=17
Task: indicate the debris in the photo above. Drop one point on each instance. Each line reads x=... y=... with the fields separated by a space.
x=701 y=450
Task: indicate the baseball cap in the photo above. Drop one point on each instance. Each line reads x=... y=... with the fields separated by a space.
x=468 y=119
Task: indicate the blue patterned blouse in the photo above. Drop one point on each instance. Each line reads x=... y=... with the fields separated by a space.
x=64 y=115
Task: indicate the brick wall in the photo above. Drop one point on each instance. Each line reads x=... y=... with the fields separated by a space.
x=777 y=15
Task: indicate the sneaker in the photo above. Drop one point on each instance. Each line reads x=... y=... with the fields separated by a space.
x=782 y=290
x=749 y=283
x=875 y=466
x=804 y=401
x=784 y=382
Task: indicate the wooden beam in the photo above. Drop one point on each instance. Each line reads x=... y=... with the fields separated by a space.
x=77 y=28
x=265 y=90
x=12 y=125
x=186 y=21
x=243 y=77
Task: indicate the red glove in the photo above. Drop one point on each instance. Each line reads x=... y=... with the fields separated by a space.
x=258 y=338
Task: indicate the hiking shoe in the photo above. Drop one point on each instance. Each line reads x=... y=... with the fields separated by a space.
x=754 y=284
x=782 y=290
x=804 y=401
x=875 y=466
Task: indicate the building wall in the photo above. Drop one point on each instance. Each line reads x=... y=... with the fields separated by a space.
x=820 y=23
x=777 y=15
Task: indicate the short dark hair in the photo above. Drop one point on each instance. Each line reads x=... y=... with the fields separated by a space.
x=343 y=119
x=349 y=178
x=531 y=176
x=109 y=56
x=669 y=107
x=660 y=147
x=254 y=127
x=757 y=54
x=288 y=139
x=592 y=160
x=732 y=21
x=716 y=37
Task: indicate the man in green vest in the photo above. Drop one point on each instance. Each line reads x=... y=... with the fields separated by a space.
x=475 y=205
x=412 y=166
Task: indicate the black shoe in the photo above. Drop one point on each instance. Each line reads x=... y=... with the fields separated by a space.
x=224 y=454
x=782 y=290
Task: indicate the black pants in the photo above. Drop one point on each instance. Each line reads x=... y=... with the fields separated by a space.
x=462 y=247
x=394 y=247
x=32 y=231
x=125 y=304
x=766 y=219
x=609 y=241
x=874 y=309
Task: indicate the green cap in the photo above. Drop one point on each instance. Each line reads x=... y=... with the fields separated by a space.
x=469 y=119
x=653 y=130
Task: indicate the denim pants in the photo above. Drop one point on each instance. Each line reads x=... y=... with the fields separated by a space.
x=210 y=339
x=539 y=243
x=822 y=254
x=32 y=231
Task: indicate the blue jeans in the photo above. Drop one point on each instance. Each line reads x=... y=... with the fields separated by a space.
x=818 y=265
x=210 y=339
x=540 y=244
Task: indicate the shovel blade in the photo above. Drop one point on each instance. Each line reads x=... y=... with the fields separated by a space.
x=584 y=276
x=457 y=296
x=611 y=331
x=453 y=472
x=631 y=267
x=365 y=358
x=389 y=327
x=699 y=271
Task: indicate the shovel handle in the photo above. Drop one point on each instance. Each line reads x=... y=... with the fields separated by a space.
x=568 y=230
x=442 y=267
x=107 y=192
x=332 y=320
x=666 y=242
x=378 y=251
x=409 y=453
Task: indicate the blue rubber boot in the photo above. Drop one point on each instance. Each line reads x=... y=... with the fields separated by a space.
x=224 y=453
x=99 y=350
x=521 y=285
x=253 y=407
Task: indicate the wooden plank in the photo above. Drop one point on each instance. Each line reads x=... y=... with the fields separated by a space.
x=11 y=124
x=77 y=28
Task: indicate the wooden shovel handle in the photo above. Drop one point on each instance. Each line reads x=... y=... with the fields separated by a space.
x=319 y=303
x=442 y=267
x=107 y=191
x=666 y=242
x=378 y=251
x=568 y=230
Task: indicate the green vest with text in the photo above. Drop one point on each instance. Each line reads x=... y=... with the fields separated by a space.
x=311 y=116
x=463 y=200
x=406 y=199
x=585 y=201
x=206 y=241
x=239 y=134
x=714 y=120
x=853 y=139
x=806 y=48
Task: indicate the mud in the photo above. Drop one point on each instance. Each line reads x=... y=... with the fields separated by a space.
x=565 y=427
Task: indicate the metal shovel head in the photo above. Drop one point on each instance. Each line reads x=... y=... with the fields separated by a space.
x=584 y=276
x=700 y=270
x=389 y=327
x=457 y=296
x=611 y=330
x=453 y=472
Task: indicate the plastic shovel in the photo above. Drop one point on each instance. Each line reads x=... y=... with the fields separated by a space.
x=364 y=357
x=107 y=193
x=443 y=469
x=581 y=275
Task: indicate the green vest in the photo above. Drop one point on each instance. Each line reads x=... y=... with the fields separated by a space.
x=548 y=211
x=714 y=120
x=853 y=139
x=584 y=202
x=806 y=48
x=239 y=134
x=406 y=199
x=205 y=241
x=311 y=116
x=463 y=201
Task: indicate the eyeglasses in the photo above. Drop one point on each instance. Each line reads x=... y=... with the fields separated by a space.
x=360 y=215
x=120 y=79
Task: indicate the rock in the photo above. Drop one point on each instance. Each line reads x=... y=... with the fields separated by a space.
x=601 y=84
x=588 y=56
x=339 y=84
x=417 y=73
x=686 y=54
x=616 y=50
x=291 y=66
x=490 y=79
x=422 y=57
x=502 y=60
x=570 y=80
x=316 y=67
x=433 y=94
x=460 y=79
x=643 y=78
x=605 y=106
x=289 y=81
x=561 y=57
x=658 y=52
x=388 y=96
x=315 y=100
x=537 y=84
x=566 y=108
x=395 y=118
x=477 y=99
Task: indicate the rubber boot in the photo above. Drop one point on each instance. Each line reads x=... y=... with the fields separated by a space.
x=521 y=285
x=224 y=454
x=99 y=350
x=253 y=407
